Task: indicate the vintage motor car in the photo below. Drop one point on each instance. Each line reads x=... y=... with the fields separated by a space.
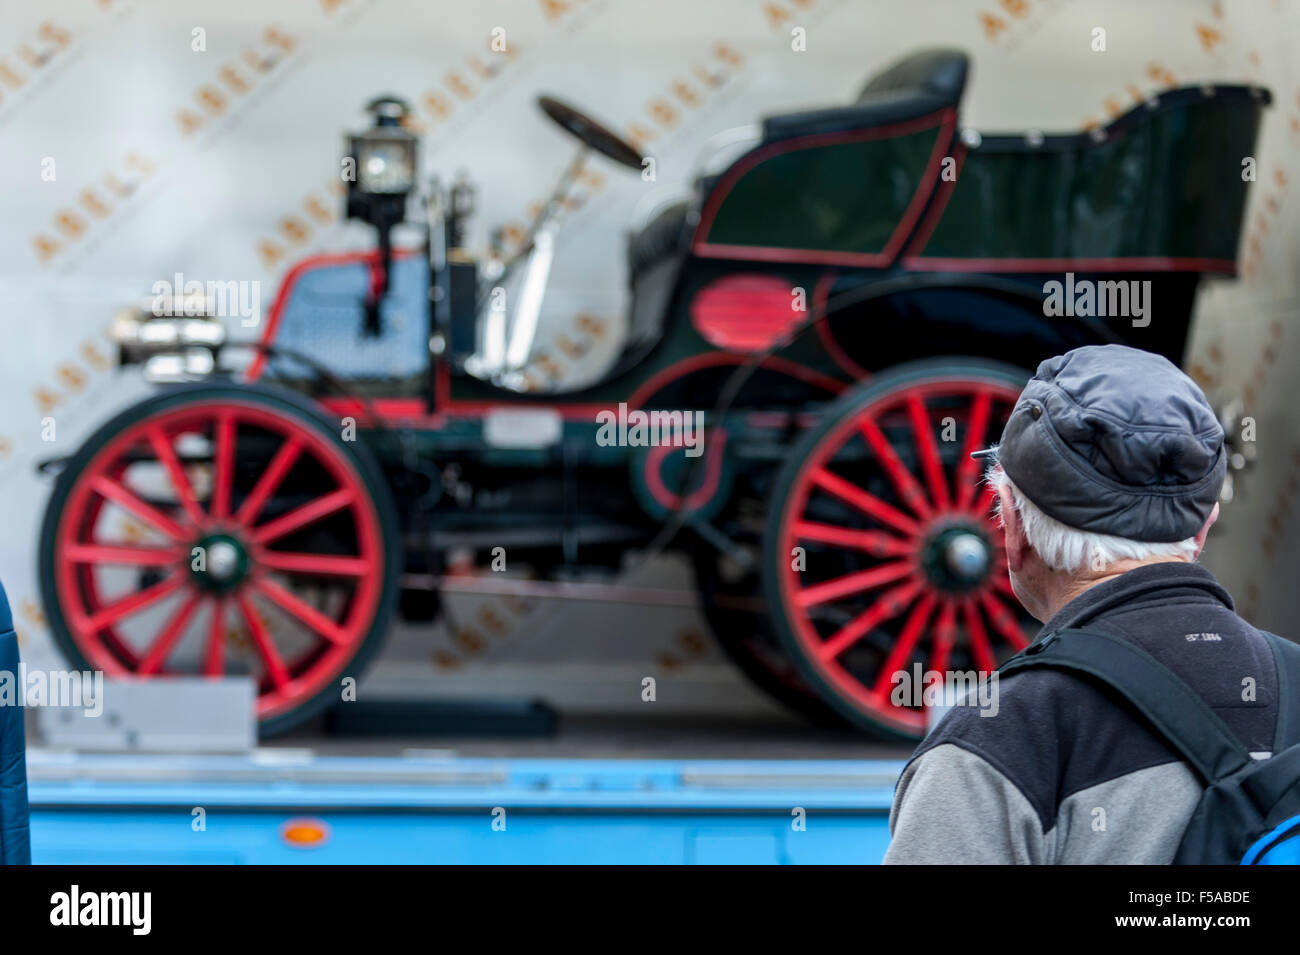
x=851 y=297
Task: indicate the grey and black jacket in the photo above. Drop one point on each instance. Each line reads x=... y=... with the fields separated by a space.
x=1066 y=771
x=15 y=838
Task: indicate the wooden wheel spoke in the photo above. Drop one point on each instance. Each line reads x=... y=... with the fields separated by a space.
x=162 y=447
x=1004 y=620
x=979 y=638
x=134 y=603
x=271 y=658
x=875 y=543
x=967 y=467
x=983 y=506
x=169 y=635
x=128 y=500
x=224 y=470
x=121 y=554
x=945 y=635
x=280 y=465
x=302 y=610
x=864 y=501
x=928 y=450
x=301 y=516
x=908 y=487
x=327 y=565
x=901 y=652
x=214 y=658
x=853 y=583
x=886 y=607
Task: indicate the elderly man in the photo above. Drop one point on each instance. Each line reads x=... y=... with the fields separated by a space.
x=1107 y=476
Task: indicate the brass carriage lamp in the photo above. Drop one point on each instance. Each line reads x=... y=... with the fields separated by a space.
x=380 y=177
x=385 y=154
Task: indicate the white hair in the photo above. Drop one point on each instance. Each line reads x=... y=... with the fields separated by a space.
x=1069 y=549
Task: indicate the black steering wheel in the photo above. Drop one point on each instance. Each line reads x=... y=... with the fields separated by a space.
x=591 y=133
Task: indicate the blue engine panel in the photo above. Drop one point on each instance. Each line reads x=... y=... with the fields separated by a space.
x=324 y=316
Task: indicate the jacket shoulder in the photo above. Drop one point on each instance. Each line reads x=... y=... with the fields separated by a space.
x=1040 y=729
x=6 y=616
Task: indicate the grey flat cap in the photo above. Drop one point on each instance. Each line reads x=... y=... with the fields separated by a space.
x=1116 y=440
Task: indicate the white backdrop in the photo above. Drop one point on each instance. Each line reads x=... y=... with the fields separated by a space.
x=222 y=164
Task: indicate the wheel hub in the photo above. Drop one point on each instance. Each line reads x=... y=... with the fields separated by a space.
x=958 y=559
x=219 y=562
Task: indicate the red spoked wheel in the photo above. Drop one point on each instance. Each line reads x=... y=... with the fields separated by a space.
x=217 y=530
x=882 y=556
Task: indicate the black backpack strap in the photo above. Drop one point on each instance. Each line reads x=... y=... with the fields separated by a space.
x=1287 y=657
x=1174 y=708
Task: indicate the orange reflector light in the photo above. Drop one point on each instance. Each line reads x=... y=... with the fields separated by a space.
x=305 y=833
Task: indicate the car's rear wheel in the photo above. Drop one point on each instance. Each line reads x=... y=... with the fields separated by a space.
x=881 y=553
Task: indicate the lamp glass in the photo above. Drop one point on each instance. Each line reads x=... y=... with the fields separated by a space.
x=385 y=164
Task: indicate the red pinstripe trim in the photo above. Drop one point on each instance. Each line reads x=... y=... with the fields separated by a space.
x=820 y=294
x=414 y=411
x=945 y=120
x=936 y=210
x=276 y=314
x=913 y=257
x=697 y=362
x=1128 y=264
x=696 y=499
